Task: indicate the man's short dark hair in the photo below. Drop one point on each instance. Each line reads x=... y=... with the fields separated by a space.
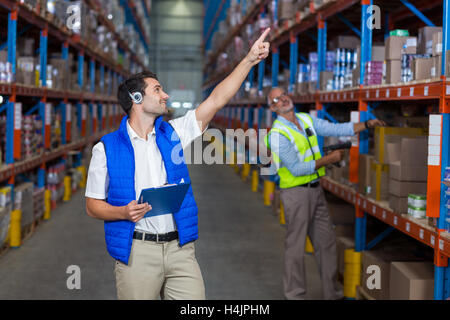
x=135 y=83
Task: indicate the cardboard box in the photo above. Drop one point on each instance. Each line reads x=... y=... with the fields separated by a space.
x=392 y=152
x=384 y=254
x=364 y=173
x=403 y=188
x=379 y=178
x=312 y=86
x=394 y=46
x=411 y=281
x=384 y=135
x=345 y=42
x=398 y=204
x=393 y=71
x=378 y=53
x=343 y=243
x=285 y=9
x=421 y=68
x=324 y=77
x=437 y=67
x=425 y=39
x=399 y=172
x=414 y=151
x=437 y=43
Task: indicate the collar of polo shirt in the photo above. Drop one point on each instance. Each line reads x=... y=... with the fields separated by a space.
x=134 y=135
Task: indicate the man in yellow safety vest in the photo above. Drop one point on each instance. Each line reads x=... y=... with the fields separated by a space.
x=295 y=151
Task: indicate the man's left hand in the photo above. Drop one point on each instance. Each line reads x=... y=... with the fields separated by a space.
x=375 y=123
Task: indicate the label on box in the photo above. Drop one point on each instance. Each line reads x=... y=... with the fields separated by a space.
x=48 y=118
x=441 y=244
x=434 y=160
x=411 y=91
x=438 y=47
x=432 y=240
x=17 y=116
x=434 y=150
x=421 y=233
x=447 y=89
x=436 y=120
x=399 y=92
x=435 y=130
x=387 y=93
x=411 y=42
x=425 y=91
x=68 y=112
x=434 y=140
x=433 y=72
x=408 y=227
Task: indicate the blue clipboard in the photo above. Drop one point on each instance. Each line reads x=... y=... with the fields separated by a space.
x=165 y=199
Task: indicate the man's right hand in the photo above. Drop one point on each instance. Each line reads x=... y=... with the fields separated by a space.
x=336 y=156
x=135 y=212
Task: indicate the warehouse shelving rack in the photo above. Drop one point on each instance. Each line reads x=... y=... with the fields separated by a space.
x=436 y=90
x=90 y=101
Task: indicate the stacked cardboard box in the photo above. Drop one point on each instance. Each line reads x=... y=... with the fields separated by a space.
x=437 y=55
x=23 y=200
x=408 y=171
x=285 y=9
x=411 y=281
x=395 y=46
x=379 y=167
x=383 y=257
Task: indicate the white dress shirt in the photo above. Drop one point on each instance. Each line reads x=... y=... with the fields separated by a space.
x=150 y=168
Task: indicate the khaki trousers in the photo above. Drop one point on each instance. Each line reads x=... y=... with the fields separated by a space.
x=160 y=270
x=306 y=213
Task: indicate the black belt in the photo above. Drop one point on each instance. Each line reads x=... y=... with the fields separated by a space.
x=310 y=185
x=164 y=237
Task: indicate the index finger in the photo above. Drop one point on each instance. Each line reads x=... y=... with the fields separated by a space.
x=264 y=35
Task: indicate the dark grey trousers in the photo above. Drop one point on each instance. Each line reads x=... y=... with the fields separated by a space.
x=306 y=213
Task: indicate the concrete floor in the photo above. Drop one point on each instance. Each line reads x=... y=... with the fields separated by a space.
x=240 y=249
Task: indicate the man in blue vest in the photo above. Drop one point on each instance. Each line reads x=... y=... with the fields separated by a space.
x=154 y=256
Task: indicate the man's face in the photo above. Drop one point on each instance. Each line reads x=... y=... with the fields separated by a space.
x=155 y=98
x=279 y=101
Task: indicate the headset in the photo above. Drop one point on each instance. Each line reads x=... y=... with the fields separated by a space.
x=136 y=97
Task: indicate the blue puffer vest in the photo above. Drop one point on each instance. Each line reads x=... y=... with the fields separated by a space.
x=121 y=170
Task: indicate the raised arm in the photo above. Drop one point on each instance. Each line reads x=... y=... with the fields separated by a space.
x=226 y=89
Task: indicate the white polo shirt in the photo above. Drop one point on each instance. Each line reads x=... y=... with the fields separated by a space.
x=150 y=171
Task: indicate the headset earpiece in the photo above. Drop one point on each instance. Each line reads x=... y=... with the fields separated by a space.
x=136 y=97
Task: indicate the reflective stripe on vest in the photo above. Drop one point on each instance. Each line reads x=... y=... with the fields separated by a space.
x=306 y=153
